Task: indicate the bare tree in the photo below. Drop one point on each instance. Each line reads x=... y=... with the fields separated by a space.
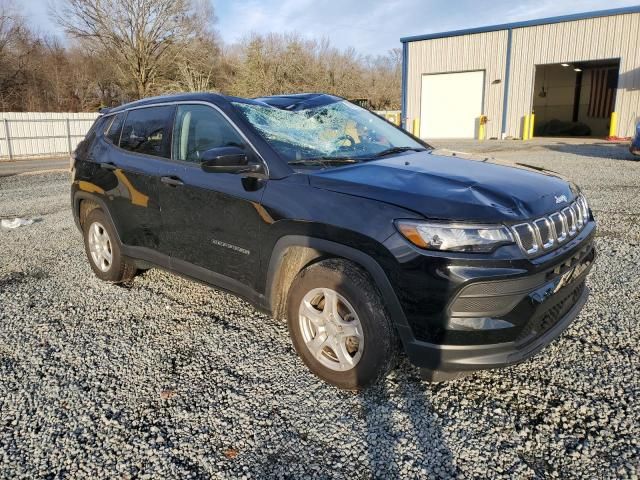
x=127 y=49
x=137 y=34
x=16 y=46
x=382 y=79
x=287 y=63
x=197 y=67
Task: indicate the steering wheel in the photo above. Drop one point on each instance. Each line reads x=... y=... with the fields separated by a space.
x=342 y=138
x=206 y=146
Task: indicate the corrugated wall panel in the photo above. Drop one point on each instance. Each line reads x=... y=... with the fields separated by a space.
x=484 y=51
x=582 y=40
x=42 y=133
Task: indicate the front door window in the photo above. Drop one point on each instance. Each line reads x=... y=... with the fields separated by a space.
x=199 y=128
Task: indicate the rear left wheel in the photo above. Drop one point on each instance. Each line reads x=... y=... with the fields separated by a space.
x=103 y=250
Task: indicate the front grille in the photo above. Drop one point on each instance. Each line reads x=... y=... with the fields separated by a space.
x=552 y=315
x=483 y=306
x=504 y=287
x=493 y=298
x=544 y=234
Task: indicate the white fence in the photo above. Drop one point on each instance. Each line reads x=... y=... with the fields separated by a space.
x=33 y=134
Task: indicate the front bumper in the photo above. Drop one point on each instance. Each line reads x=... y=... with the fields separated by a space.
x=463 y=358
x=514 y=310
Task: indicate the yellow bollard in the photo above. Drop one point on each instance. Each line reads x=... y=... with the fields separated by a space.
x=525 y=129
x=531 y=122
x=398 y=120
x=416 y=127
x=613 y=126
x=482 y=134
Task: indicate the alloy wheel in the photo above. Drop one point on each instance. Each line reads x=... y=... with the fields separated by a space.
x=100 y=246
x=331 y=329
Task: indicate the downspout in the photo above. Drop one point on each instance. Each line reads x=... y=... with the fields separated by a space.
x=507 y=74
x=403 y=93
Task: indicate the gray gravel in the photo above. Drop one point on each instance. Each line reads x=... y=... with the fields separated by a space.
x=170 y=378
x=32 y=165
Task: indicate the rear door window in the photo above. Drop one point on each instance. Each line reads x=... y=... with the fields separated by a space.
x=148 y=131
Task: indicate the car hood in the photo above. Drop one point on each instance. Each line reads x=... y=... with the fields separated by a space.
x=451 y=188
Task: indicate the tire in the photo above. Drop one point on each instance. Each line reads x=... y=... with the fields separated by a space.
x=118 y=268
x=374 y=345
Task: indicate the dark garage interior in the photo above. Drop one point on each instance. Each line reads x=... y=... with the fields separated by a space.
x=575 y=99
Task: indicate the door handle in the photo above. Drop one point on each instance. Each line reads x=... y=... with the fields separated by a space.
x=173 y=181
x=108 y=166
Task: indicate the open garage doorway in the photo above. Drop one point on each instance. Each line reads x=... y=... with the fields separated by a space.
x=575 y=99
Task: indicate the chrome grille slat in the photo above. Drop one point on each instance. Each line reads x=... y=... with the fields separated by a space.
x=526 y=238
x=585 y=209
x=559 y=226
x=571 y=220
x=578 y=211
x=547 y=233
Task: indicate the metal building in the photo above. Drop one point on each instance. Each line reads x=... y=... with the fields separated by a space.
x=574 y=75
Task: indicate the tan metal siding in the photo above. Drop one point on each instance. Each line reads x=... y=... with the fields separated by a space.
x=575 y=41
x=483 y=51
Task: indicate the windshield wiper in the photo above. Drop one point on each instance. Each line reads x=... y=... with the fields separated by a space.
x=392 y=150
x=324 y=161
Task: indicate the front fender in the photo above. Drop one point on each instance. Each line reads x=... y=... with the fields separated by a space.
x=292 y=253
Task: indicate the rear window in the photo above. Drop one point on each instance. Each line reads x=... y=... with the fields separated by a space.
x=113 y=133
x=96 y=129
x=148 y=131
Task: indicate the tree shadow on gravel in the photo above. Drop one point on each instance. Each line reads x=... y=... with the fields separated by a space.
x=403 y=436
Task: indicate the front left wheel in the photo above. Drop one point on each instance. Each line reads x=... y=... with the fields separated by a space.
x=339 y=326
x=103 y=250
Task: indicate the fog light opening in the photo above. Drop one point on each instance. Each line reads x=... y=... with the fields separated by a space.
x=483 y=323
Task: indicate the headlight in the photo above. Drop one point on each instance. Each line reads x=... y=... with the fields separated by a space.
x=454 y=237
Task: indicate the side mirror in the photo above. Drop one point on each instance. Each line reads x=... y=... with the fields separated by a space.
x=227 y=160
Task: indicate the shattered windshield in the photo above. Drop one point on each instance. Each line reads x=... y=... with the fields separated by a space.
x=339 y=131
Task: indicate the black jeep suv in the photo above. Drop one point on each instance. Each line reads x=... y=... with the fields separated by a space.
x=320 y=212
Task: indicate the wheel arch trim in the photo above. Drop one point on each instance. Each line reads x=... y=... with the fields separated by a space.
x=317 y=248
x=78 y=196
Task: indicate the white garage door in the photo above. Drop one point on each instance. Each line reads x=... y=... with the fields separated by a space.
x=451 y=104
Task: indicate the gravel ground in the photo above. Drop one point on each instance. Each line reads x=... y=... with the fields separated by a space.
x=170 y=378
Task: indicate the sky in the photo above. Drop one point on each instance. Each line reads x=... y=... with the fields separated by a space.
x=370 y=26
